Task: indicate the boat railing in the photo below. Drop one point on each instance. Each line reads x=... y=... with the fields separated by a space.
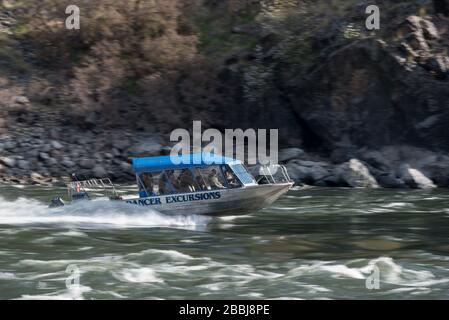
x=269 y=177
x=99 y=185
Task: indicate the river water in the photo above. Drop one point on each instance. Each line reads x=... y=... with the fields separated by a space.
x=312 y=244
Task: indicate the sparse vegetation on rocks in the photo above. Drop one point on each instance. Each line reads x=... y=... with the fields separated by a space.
x=83 y=100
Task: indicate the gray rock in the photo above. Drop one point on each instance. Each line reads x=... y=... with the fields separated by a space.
x=116 y=152
x=377 y=160
x=121 y=144
x=68 y=163
x=414 y=178
x=46 y=148
x=290 y=153
x=299 y=174
x=390 y=181
x=9 y=145
x=8 y=161
x=56 y=144
x=87 y=163
x=356 y=174
x=36 y=177
x=23 y=164
x=318 y=173
x=21 y=100
x=126 y=168
x=43 y=156
x=51 y=162
x=99 y=172
x=146 y=148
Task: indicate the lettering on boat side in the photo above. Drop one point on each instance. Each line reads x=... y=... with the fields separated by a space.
x=177 y=198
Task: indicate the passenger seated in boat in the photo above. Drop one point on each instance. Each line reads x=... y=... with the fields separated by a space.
x=174 y=182
x=186 y=182
x=232 y=181
x=168 y=183
x=200 y=182
x=147 y=180
x=164 y=187
x=213 y=180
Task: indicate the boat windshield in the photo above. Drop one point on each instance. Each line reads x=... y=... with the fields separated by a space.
x=242 y=174
x=187 y=180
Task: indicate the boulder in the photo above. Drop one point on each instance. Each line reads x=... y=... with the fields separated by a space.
x=390 y=181
x=8 y=161
x=356 y=174
x=43 y=156
x=318 y=173
x=87 y=163
x=56 y=145
x=377 y=160
x=148 y=147
x=51 y=162
x=99 y=172
x=9 y=145
x=121 y=144
x=414 y=178
x=37 y=178
x=300 y=174
x=290 y=153
x=68 y=163
x=21 y=100
x=23 y=164
x=126 y=167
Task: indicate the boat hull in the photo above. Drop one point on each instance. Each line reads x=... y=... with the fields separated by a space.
x=216 y=202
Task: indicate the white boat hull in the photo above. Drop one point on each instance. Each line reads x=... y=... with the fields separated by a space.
x=216 y=202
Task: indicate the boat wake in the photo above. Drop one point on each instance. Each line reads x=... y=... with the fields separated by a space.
x=94 y=214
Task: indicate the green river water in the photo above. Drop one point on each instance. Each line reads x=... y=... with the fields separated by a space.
x=313 y=243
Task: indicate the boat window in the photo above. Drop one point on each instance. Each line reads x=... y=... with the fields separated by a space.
x=244 y=176
x=146 y=185
x=231 y=179
x=167 y=183
x=201 y=180
x=212 y=178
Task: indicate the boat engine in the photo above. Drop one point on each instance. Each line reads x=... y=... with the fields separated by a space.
x=56 y=203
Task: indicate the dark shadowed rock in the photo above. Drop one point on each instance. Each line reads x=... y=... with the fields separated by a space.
x=390 y=181
x=290 y=153
x=126 y=168
x=147 y=148
x=99 y=172
x=68 y=163
x=87 y=163
x=23 y=164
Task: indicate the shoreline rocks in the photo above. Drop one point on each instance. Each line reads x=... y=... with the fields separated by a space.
x=30 y=156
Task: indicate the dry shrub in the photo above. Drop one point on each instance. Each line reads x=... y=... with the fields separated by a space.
x=128 y=55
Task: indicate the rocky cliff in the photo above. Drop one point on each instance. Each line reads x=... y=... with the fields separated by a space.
x=359 y=108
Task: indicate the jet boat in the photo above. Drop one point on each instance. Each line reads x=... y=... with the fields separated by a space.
x=203 y=184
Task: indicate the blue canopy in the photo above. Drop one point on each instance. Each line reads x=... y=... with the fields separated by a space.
x=180 y=162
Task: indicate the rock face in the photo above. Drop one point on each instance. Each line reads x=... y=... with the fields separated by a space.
x=414 y=178
x=374 y=93
x=7 y=161
x=356 y=175
x=290 y=153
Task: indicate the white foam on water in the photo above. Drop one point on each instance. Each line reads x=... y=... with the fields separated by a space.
x=397 y=205
x=390 y=272
x=172 y=254
x=94 y=213
x=139 y=275
x=73 y=293
x=7 y=276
